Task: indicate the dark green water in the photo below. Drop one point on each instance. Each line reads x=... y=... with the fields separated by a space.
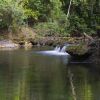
x=25 y=75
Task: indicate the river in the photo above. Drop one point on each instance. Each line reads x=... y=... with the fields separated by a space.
x=28 y=75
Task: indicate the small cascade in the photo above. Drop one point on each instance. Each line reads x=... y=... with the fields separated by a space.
x=63 y=49
x=57 y=48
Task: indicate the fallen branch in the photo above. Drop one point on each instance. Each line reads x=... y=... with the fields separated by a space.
x=88 y=36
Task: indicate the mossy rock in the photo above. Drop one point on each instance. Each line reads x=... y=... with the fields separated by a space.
x=80 y=51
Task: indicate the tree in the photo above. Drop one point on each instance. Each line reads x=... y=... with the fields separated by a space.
x=84 y=15
x=11 y=14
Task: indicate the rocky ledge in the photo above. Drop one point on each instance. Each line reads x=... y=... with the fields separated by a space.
x=8 y=44
x=90 y=52
x=79 y=51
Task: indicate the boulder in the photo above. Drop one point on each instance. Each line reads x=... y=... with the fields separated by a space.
x=79 y=51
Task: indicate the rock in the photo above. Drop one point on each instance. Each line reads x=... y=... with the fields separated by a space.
x=95 y=58
x=90 y=53
x=8 y=44
x=28 y=45
x=79 y=51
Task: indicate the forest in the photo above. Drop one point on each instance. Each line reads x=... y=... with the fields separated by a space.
x=51 y=17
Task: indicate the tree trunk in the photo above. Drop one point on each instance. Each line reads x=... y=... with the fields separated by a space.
x=69 y=9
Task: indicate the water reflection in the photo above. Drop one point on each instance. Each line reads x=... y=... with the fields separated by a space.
x=86 y=82
x=28 y=76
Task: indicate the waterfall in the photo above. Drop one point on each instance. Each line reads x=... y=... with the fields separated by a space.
x=57 y=48
x=63 y=49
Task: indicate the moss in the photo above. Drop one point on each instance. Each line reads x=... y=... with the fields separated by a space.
x=78 y=49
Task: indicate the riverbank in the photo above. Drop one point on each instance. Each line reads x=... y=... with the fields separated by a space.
x=80 y=48
x=8 y=44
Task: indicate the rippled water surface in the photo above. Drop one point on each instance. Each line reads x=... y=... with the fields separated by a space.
x=27 y=75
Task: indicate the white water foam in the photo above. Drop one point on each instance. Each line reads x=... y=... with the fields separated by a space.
x=57 y=51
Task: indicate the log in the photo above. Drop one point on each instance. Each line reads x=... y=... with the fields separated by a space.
x=88 y=36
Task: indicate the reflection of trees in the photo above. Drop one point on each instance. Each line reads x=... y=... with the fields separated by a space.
x=21 y=91
x=48 y=80
x=80 y=85
x=14 y=77
x=24 y=78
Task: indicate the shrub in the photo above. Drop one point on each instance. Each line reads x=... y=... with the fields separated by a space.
x=51 y=29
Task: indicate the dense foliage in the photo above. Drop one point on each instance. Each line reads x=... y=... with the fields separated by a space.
x=11 y=14
x=51 y=17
